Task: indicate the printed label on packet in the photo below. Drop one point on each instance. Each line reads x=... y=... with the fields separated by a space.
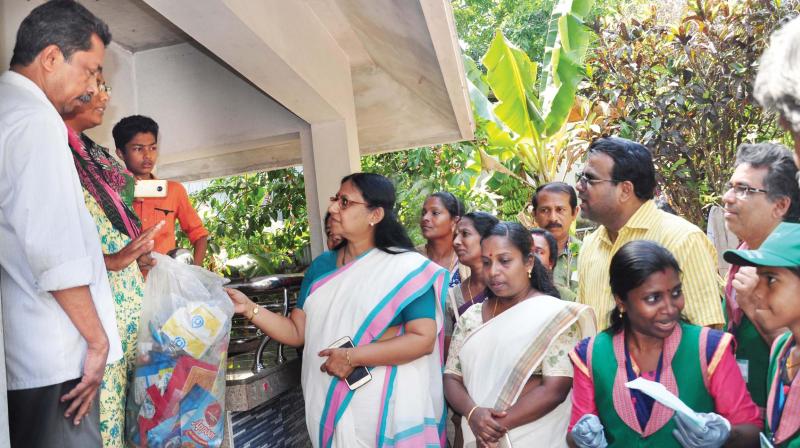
x=194 y=328
x=201 y=419
x=157 y=373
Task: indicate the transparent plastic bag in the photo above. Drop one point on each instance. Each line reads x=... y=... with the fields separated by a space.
x=176 y=397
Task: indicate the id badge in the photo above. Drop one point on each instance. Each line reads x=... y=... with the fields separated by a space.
x=744 y=368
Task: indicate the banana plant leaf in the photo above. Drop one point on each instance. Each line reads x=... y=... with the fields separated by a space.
x=575 y=8
x=475 y=75
x=565 y=48
x=511 y=75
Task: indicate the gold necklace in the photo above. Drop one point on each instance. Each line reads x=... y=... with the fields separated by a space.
x=469 y=290
x=497 y=300
x=789 y=363
x=450 y=265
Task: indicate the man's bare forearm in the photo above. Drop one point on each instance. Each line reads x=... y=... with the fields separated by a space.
x=200 y=247
x=78 y=305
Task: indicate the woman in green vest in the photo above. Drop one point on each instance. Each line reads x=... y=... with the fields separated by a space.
x=778 y=263
x=649 y=339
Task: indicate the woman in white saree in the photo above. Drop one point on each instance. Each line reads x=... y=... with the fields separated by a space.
x=388 y=298
x=508 y=373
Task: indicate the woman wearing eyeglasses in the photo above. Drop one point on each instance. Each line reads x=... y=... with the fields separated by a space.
x=108 y=193
x=388 y=299
x=777 y=262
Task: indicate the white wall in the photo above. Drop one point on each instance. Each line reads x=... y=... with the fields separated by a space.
x=202 y=108
x=201 y=105
x=212 y=122
x=11 y=14
x=119 y=74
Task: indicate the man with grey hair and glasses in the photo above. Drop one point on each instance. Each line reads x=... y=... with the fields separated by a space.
x=762 y=192
x=777 y=85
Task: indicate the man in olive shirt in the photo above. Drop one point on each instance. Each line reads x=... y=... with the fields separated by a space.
x=555 y=208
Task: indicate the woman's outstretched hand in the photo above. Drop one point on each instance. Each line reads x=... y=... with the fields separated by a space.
x=136 y=249
x=241 y=303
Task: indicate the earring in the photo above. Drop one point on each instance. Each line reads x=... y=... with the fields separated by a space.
x=529 y=274
x=371 y=224
x=621 y=313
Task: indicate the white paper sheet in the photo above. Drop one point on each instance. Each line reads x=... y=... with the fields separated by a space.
x=658 y=392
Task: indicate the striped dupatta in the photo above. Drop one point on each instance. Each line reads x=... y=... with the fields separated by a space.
x=403 y=405
x=495 y=377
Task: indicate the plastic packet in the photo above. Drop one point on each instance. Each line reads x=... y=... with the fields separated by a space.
x=178 y=393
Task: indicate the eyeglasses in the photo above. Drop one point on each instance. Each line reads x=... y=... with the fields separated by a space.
x=585 y=178
x=741 y=190
x=344 y=202
x=104 y=88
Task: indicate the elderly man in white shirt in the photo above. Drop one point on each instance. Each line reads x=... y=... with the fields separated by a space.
x=58 y=315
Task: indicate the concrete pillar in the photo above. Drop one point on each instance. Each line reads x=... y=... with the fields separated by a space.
x=329 y=154
x=316 y=214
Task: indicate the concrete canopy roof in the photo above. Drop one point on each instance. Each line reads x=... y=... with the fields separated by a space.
x=399 y=59
x=406 y=70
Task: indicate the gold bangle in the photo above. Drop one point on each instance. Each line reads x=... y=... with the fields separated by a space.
x=253 y=313
x=347 y=354
x=471 y=411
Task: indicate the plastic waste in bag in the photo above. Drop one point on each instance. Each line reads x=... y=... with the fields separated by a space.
x=177 y=396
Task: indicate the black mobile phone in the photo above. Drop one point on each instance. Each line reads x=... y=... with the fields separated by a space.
x=360 y=375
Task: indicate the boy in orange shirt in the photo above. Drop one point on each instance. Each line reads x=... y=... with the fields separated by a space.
x=136 y=140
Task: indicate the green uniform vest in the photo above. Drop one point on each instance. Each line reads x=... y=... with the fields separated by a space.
x=794 y=440
x=691 y=389
x=750 y=346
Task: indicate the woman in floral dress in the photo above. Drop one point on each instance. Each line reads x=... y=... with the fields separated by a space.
x=108 y=191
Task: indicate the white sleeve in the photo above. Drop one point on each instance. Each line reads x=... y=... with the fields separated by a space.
x=45 y=203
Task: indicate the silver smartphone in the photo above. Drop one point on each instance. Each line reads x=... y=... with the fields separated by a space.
x=360 y=375
x=150 y=189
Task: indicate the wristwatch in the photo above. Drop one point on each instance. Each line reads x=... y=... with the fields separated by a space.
x=254 y=312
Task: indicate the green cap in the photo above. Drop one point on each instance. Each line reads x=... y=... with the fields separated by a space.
x=780 y=249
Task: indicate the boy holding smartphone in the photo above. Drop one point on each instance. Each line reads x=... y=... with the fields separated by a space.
x=136 y=139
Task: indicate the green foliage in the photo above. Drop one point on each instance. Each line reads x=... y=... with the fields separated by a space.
x=242 y=214
x=527 y=129
x=523 y=21
x=419 y=172
x=683 y=87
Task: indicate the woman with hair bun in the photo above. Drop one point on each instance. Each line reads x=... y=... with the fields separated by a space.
x=508 y=372
x=388 y=299
x=471 y=228
x=438 y=222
